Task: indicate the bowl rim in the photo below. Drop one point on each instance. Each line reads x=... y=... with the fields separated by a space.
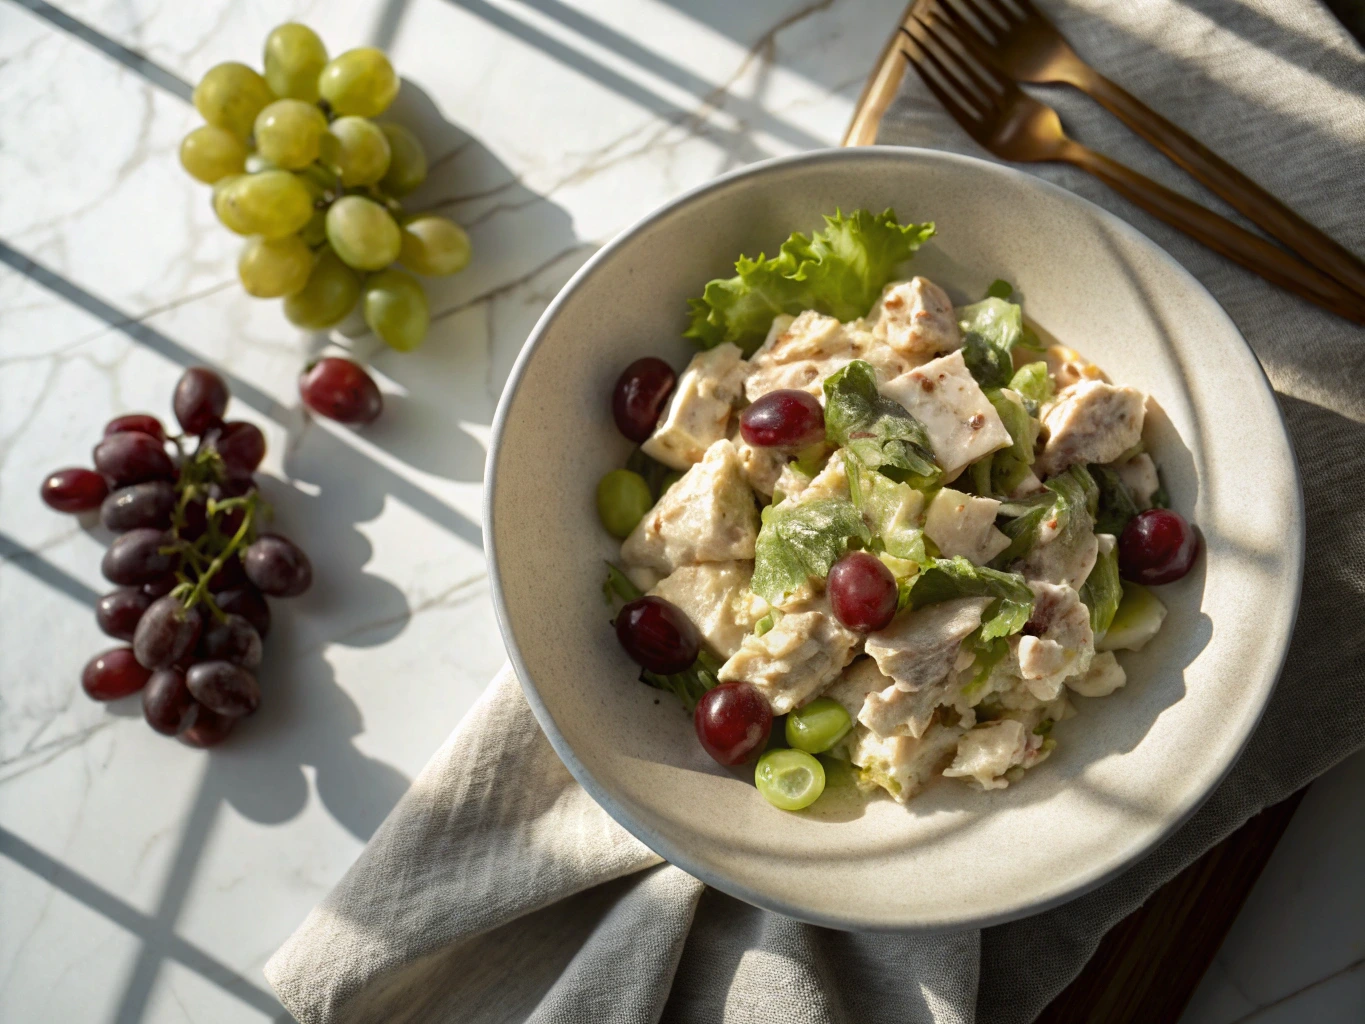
x=1105 y=870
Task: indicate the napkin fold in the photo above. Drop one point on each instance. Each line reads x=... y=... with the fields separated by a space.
x=497 y=890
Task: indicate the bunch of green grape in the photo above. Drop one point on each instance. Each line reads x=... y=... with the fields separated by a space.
x=298 y=166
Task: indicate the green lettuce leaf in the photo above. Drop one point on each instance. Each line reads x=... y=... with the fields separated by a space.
x=1116 y=504
x=1102 y=591
x=798 y=541
x=890 y=510
x=1001 y=472
x=619 y=585
x=1072 y=498
x=1033 y=382
x=690 y=684
x=991 y=329
x=1000 y=289
x=878 y=431
x=950 y=578
x=839 y=271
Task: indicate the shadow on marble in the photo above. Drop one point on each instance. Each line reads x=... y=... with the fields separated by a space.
x=33 y=563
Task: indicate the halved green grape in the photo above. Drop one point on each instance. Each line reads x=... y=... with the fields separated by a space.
x=294 y=57
x=360 y=81
x=358 y=151
x=407 y=160
x=272 y=204
x=434 y=246
x=331 y=293
x=623 y=498
x=362 y=233
x=396 y=309
x=211 y=154
x=288 y=132
x=789 y=779
x=818 y=725
x=274 y=267
x=230 y=96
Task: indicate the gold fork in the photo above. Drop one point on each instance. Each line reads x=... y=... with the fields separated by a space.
x=1006 y=121
x=1024 y=45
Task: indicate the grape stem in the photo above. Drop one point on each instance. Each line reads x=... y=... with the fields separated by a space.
x=200 y=592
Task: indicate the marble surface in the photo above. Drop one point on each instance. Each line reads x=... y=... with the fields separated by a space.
x=144 y=881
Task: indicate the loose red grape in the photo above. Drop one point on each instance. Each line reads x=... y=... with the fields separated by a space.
x=74 y=490
x=167 y=703
x=340 y=390
x=241 y=445
x=658 y=635
x=118 y=612
x=131 y=458
x=1157 y=546
x=639 y=396
x=232 y=639
x=277 y=566
x=166 y=632
x=733 y=721
x=862 y=592
x=249 y=604
x=113 y=674
x=200 y=399
x=147 y=504
x=138 y=422
x=136 y=557
x=224 y=687
x=209 y=728
x=786 y=419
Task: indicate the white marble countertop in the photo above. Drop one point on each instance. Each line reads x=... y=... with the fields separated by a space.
x=144 y=881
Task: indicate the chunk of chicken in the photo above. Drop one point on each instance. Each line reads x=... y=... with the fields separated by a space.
x=762 y=466
x=1139 y=476
x=892 y=711
x=699 y=411
x=961 y=423
x=1062 y=558
x=715 y=596
x=903 y=765
x=1104 y=677
x=919 y=648
x=963 y=524
x=800 y=353
x=856 y=682
x=991 y=749
x=1059 y=642
x=1090 y=422
x=707 y=516
x=916 y=318
x=797 y=658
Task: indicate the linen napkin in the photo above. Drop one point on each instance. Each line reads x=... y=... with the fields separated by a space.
x=497 y=890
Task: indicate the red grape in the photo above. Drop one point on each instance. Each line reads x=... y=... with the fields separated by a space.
x=733 y=721
x=249 y=604
x=241 y=445
x=232 y=639
x=224 y=687
x=639 y=396
x=166 y=632
x=657 y=635
x=230 y=576
x=131 y=458
x=200 y=399
x=783 y=419
x=118 y=612
x=167 y=704
x=113 y=674
x=862 y=592
x=340 y=390
x=160 y=587
x=277 y=566
x=138 y=422
x=74 y=490
x=136 y=557
x=147 y=504
x=209 y=728
x=1157 y=546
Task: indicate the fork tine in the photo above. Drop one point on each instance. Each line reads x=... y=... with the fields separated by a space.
x=949 y=12
x=993 y=12
x=945 y=37
x=980 y=51
x=962 y=113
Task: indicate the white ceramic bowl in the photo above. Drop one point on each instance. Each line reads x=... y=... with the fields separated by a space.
x=1128 y=769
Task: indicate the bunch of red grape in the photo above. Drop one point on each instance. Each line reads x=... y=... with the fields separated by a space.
x=191 y=563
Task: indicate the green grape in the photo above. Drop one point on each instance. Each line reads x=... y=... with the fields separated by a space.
x=789 y=779
x=294 y=57
x=255 y=164
x=360 y=81
x=434 y=246
x=272 y=204
x=357 y=150
x=288 y=133
x=230 y=96
x=407 y=163
x=817 y=726
x=273 y=267
x=211 y=154
x=362 y=233
x=396 y=309
x=315 y=231
x=623 y=498
x=331 y=293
